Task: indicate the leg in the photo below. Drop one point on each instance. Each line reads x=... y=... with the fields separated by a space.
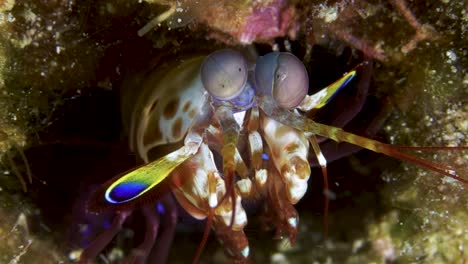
x=282 y=213
x=104 y=238
x=228 y=151
x=162 y=246
x=140 y=253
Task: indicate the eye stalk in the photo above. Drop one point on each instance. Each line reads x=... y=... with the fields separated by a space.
x=224 y=74
x=282 y=76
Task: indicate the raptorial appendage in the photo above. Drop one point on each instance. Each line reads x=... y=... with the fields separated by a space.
x=199 y=188
x=288 y=149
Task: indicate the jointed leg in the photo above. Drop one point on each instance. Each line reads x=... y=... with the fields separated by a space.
x=228 y=152
x=163 y=244
x=104 y=238
x=281 y=211
x=139 y=254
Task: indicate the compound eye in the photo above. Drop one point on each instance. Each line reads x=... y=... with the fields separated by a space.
x=224 y=74
x=282 y=76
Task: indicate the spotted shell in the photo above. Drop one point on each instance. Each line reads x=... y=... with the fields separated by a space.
x=170 y=98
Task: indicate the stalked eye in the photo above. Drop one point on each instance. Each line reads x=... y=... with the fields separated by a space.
x=282 y=76
x=224 y=74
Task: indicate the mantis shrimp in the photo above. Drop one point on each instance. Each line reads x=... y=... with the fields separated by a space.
x=251 y=115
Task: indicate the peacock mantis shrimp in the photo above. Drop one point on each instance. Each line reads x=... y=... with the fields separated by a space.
x=251 y=115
